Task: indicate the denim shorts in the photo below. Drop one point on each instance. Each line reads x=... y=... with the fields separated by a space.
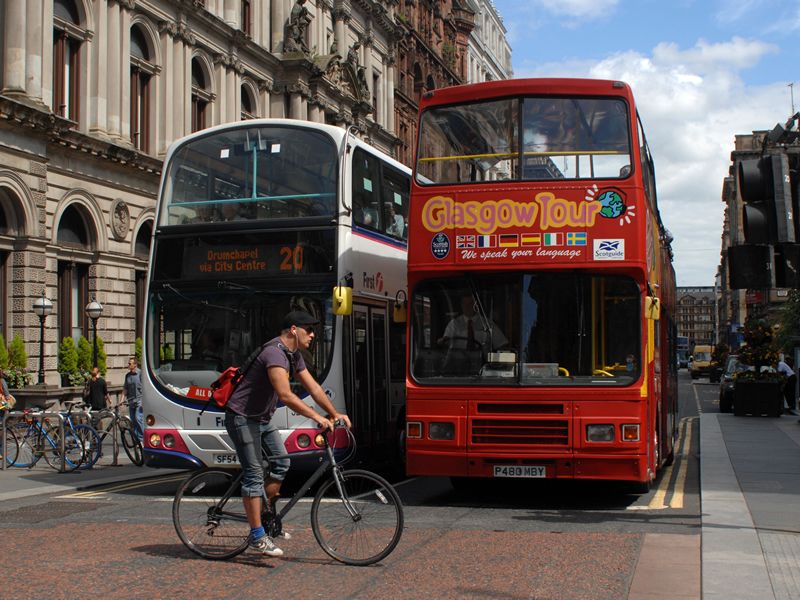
x=245 y=434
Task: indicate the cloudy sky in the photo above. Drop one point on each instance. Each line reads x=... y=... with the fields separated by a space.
x=702 y=71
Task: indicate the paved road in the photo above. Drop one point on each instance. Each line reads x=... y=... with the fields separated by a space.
x=515 y=540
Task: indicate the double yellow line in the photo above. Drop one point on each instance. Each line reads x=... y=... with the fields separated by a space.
x=682 y=453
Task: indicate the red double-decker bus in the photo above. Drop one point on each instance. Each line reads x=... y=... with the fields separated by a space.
x=542 y=293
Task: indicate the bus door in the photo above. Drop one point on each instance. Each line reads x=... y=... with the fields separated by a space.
x=369 y=406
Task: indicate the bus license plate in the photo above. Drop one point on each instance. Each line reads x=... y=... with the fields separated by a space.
x=518 y=471
x=226 y=459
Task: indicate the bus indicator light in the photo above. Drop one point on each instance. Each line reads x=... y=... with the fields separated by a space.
x=630 y=432
x=414 y=430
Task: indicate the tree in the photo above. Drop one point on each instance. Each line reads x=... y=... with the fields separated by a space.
x=789 y=321
x=67 y=357
x=137 y=350
x=3 y=354
x=17 y=357
x=84 y=355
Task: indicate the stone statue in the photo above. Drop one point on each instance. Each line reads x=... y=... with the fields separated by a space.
x=296 y=28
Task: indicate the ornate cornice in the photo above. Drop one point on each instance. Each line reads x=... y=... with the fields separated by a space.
x=178 y=31
x=229 y=61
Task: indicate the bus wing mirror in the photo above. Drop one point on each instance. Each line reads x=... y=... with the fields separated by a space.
x=652 y=308
x=400 y=314
x=342 y=300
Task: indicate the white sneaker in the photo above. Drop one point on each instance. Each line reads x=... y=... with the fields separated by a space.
x=284 y=535
x=265 y=546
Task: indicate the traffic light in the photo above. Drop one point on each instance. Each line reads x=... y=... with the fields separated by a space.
x=764 y=185
x=750 y=267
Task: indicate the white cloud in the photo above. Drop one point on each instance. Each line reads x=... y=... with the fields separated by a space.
x=579 y=9
x=692 y=103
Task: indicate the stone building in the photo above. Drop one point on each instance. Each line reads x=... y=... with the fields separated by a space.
x=93 y=92
x=431 y=53
x=696 y=318
x=489 y=51
x=737 y=304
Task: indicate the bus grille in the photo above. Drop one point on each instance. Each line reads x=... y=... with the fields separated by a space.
x=520 y=431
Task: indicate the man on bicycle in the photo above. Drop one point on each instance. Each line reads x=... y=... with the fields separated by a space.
x=249 y=412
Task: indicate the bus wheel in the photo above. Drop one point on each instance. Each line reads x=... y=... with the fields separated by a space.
x=463 y=484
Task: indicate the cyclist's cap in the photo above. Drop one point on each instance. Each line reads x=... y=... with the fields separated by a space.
x=299 y=318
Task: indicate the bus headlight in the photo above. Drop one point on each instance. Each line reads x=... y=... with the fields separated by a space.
x=630 y=432
x=600 y=433
x=303 y=440
x=169 y=441
x=441 y=431
x=154 y=440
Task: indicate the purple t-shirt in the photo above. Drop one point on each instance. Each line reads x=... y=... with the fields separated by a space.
x=254 y=396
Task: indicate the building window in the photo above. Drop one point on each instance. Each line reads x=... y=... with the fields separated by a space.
x=142 y=71
x=67 y=40
x=3 y=294
x=248 y=104
x=73 y=293
x=247 y=18
x=140 y=284
x=201 y=97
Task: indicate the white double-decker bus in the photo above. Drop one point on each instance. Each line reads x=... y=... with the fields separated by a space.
x=255 y=219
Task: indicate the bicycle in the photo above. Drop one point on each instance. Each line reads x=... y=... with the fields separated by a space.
x=9 y=444
x=356 y=515
x=38 y=438
x=119 y=427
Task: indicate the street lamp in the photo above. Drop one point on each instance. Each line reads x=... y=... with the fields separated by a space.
x=93 y=310
x=42 y=307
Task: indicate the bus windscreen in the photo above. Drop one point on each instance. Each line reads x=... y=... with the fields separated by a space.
x=257 y=173
x=561 y=138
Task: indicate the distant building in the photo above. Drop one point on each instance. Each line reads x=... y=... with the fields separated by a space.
x=489 y=50
x=696 y=317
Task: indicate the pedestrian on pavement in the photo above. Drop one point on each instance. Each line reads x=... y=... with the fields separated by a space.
x=7 y=402
x=785 y=366
x=132 y=393
x=97 y=396
x=248 y=417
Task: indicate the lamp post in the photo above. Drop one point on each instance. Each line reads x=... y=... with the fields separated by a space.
x=42 y=307
x=93 y=310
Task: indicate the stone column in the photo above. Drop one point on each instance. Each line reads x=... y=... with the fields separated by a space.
x=340 y=18
x=125 y=73
x=231 y=13
x=114 y=58
x=98 y=89
x=14 y=46
x=390 y=75
x=278 y=20
x=296 y=106
x=33 y=65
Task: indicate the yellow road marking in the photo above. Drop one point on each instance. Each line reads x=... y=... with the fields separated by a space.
x=657 y=501
x=683 y=468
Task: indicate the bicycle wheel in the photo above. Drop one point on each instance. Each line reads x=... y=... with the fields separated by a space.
x=51 y=447
x=9 y=446
x=91 y=444
x=27 y=436
x=130 y=442
x=207 y=528
x=363 y=524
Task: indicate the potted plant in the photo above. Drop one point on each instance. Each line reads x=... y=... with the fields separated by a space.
x=17 y=374
x=759 y=390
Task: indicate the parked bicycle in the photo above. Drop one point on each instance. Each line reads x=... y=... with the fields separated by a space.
x=119 y=427
x=40 y=436
x=9 y=444
x=356 y=515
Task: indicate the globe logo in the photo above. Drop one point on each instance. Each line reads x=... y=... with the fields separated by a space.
x=613 y=204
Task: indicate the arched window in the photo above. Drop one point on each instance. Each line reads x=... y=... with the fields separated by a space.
x=142 y=70
x=67 y=40
x=142 y=247
x=73 y=278
x=201 y=97
x=248 y=104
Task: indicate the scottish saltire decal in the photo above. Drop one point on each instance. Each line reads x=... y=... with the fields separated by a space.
x=609 y=249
